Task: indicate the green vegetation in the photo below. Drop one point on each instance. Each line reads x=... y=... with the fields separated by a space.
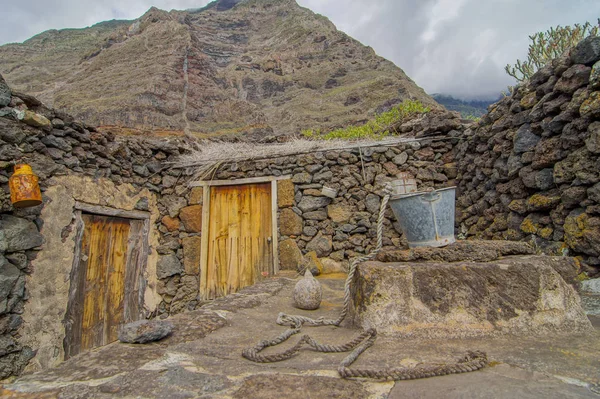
x=381 y=126
x=471 y=117
x=545 y=46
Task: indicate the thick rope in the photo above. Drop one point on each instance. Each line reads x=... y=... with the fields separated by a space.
x=472 y=361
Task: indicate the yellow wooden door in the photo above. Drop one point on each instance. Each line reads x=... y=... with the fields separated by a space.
x=104 y=252
x=240 y=250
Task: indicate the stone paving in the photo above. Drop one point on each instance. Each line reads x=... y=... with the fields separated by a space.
x=202 y=359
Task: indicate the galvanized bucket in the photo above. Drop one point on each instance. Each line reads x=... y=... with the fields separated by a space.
x=426 y=218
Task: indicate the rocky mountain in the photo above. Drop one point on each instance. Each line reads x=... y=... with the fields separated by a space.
x=233 y=66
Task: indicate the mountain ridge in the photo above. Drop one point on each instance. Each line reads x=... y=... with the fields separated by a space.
x=255 y=66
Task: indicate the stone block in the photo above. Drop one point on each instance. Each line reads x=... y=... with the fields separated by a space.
x=168 y=265
x=285 y=193
x=289 y=255
x=321 y=244
x=171 y=224
x=191 y=254
x=309 y=203
x=35 y=120
x=339 y=213
x=196 y=196
x=18 y=234
x=290 y=223
x=191 y=217
x=523 y=295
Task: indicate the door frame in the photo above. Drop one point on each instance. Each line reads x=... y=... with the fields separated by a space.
x=133 y=272
x=206 y=185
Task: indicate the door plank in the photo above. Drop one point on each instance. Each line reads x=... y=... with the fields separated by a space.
x=115 y=288
x=239 y=240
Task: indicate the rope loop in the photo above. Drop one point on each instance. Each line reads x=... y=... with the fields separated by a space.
x=471 y=361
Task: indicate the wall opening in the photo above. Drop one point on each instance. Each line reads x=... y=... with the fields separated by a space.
x=107 y=284
x=239 y=240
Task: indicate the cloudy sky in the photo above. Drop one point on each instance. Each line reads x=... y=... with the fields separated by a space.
x=457 y=47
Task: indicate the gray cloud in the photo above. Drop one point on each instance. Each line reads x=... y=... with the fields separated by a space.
x=457 y=47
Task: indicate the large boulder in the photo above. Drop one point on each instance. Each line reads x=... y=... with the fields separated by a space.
x=523 y=295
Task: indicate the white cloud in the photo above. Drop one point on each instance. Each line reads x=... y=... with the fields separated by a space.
x=442 y=10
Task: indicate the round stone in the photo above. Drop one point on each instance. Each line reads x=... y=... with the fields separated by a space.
x=308 y=292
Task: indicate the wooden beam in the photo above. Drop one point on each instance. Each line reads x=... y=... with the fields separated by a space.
x=204 y=242
x=250 y=180
x=73 y=315
x=106 y=211
x=274 y=232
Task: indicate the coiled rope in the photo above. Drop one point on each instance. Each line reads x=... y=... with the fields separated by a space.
x=472 y=361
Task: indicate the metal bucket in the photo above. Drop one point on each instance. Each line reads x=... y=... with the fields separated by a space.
x=426 y=218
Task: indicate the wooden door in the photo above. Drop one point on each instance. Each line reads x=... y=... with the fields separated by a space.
x=105 y=281
x=240 y=242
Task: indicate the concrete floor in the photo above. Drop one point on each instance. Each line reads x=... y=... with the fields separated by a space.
x=202 y=359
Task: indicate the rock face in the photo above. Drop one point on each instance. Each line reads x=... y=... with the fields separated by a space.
x=516 y=295
x=308 y=292
x=144 y=331
x=220 y=58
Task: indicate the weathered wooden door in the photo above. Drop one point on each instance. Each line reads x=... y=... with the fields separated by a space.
x=105 y=281
x=240 y=244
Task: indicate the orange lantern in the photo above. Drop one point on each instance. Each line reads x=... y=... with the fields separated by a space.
x=24 y=188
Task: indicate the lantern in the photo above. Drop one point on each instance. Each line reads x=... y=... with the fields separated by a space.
x=24 y=188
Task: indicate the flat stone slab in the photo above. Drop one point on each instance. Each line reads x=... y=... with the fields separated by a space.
x=202 y=359
x=521 y=295
x=471 y=250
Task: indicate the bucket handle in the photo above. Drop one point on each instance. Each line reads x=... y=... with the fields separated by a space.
x=431 y=196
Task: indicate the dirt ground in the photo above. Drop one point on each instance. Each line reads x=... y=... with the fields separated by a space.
x=202 y=359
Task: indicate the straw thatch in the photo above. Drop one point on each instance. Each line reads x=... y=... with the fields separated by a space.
x=208 y=156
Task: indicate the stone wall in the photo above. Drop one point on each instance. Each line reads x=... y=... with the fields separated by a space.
x=336 y=230
x=74 y=162
x=530 y=169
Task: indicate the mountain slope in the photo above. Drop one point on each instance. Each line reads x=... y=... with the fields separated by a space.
x=467 y=108
x=233 y=66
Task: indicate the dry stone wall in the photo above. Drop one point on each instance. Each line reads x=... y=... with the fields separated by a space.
x=55 y=145
x=530 y=169
x=332 y=231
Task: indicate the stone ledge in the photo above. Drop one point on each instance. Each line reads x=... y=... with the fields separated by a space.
x=472 y=250
x=522 y=295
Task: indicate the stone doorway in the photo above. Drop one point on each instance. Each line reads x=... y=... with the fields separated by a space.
x=239 y=240
x=107 y=287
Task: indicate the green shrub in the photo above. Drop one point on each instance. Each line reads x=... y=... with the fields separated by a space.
x=546 y=46
x=381 y=126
